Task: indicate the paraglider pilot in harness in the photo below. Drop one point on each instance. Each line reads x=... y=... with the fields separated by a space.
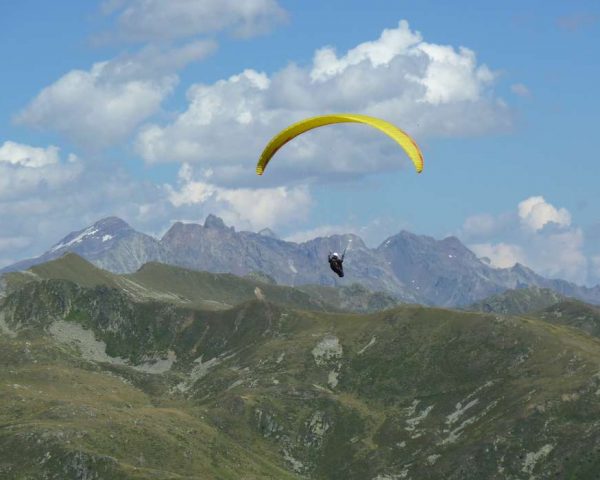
x=335 y=262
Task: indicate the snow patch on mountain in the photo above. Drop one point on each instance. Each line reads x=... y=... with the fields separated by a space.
x=88 y=232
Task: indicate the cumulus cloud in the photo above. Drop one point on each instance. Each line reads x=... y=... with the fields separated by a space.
x=535 y=213
x=501 y=255
x=425 y=88
x=155 y=20
x=538 y=235
x=27 y=170
x=242 y=207
x=27 y=156
x=102 y=106
x=560 y=255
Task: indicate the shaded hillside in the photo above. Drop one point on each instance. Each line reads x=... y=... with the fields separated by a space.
x=96 y=385
x=519 y=301
x=575 y=314
x=191 y=288
x=355 y=298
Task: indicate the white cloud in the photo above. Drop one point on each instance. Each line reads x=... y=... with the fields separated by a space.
x=501 y=255
x=520 y=90
x=552 y=252
x=242 y=207
x=28 y=156
x=447 y=75
x=453 y=76
x=102 y=106
x=380 y=52
x=27 y=170
x=154 y=20
x=426 y=89
x=560 y=255
x=535 y=212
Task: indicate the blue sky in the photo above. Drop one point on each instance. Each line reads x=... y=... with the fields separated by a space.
x=157 y=111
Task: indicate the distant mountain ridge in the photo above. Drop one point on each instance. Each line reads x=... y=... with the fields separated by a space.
x=413 y=268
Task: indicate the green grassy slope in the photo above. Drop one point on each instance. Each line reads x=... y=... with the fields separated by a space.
x=575 y=314
x=518 y=301
x=196 y=289
x=62 y=418
x=266 y=391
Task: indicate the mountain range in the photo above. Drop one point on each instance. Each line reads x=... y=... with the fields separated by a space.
x=413 y=268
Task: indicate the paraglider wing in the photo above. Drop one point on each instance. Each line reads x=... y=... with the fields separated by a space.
x=291 y=132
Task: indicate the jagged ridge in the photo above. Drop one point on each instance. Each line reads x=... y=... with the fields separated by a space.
x=413 y=268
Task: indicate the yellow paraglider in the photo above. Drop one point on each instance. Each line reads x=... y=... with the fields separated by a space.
x=291 y=132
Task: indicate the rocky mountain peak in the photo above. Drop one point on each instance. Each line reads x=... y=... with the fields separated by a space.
x=353 y=241
x=267 y=232
x=173 y=230
x=519 y=267
x=103 y=231
x=402 y=238
x=180 y=229
x=112 y=224
x=212 y=221
x=453 y=242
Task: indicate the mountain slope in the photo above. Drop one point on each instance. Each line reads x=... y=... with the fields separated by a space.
x=64 y=418
x=518 y=301
x=411 y=392
x=109 y=243
x=575 y=314
x=448 y=274
x=191 y=288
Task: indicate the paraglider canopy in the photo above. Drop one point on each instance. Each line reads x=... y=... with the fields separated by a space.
x=291 y=132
